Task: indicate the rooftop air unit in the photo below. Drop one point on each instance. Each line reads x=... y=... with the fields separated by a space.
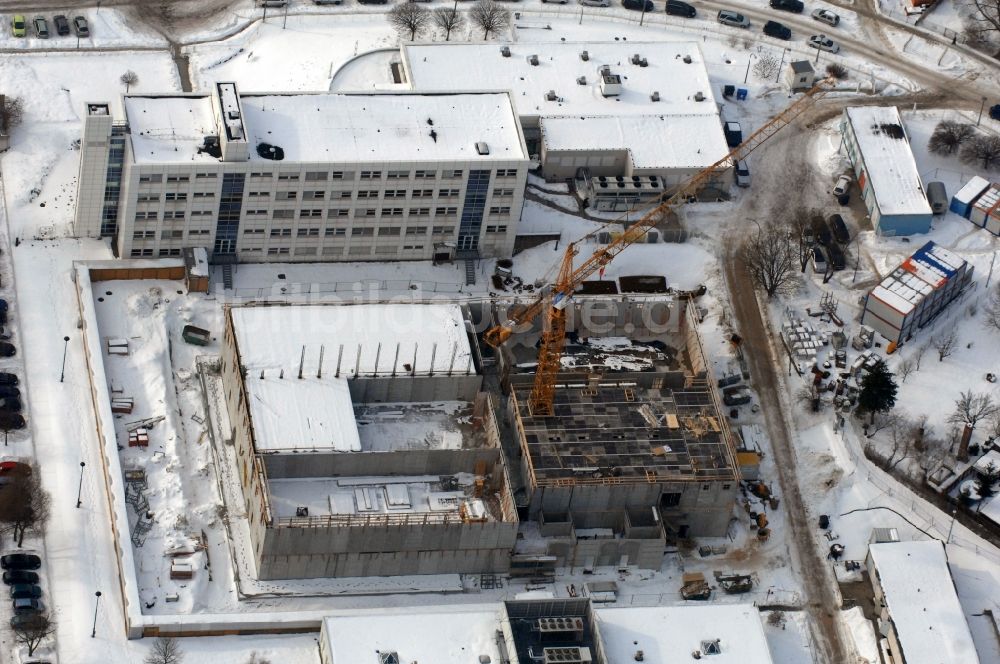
x=582 y=80
x=585 y=56
x=533 y=59
x=655 y=96
x=566 y=656
x=482 y=147
x=611 y=84
x=551 y=96
x=699 y=96
x=635 y=59
x=505 y=51
x=561 y=625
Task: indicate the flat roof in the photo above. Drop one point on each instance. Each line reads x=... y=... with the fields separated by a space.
x=930 y=267
x=170 y=128
x=298 y=414
x=653 y=141
x=362 y=338
x=885 y=148
x=669 y=634
x=442 y=425
x=922 y=602
x=674 y=69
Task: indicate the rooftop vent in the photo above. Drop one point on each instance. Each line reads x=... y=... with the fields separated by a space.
x=533 y=59
x=582 y=80
x=585 y=56
x=687 y=59
x=482 y=147
x=505 y=51
x=655 y=96
x=551 y=96
x=639 y=60
x=301 y=510
x=711 y=647
x=388 y=658
x=699 y=96
x=604 y=69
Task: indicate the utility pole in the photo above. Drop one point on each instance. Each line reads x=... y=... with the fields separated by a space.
x=62 y=372
x=79 y=491
x=97 y=604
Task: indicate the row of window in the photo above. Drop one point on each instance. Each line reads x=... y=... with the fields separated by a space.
x=323 y=176
x=450 y=192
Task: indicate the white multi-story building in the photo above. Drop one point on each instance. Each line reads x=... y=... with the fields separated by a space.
x=304 y=176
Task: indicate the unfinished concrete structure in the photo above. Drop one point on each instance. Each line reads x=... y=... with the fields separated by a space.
x=638 y=449
x=366 y=447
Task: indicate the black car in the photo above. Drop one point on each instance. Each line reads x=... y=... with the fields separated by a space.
x=836 y=254
x=82 y=29
x=795 y=6
x=839 y=228
x=20 y=561
x=24 y=620
x=821 y=234
x=8 y=378
x=678 y=8
x=8 y=391
x=19 y=576
x=10 y=404
x=62 y=25
x=25 y=591
x=777 y=30
x=7 y=349
x=11 y=421
x=638 y=5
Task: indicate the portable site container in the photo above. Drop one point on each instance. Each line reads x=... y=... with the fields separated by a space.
x=984 y=206
x=961 y=202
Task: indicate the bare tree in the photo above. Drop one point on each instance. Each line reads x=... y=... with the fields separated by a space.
x=905 y=368
x=30 y=633
x=902 y=439
x=837 y=71
x=881 y=420
x=24 y=505
x=992 y=310
x=766 y=65
x=945 y=344
x=166 y=650
x=490 y=17
x=971 y=407
x=918 y=356
x=983 y=151
x=409 y=17
x=985 y=18
x=448 y=19
x=949 y=136
x=771 y=259
x=11 y=112
x=128 y=79
x=256 y=659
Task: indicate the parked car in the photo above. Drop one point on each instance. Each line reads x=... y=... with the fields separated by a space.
x=41 y=27
x=18 y=25
x=11 y=404
x=555 y=2
x=19 y=576
x=737 y=395
x=679 y=8
x=373 y=2
x=7 y=349
x=25 y=591
x=596 y=3
x=824 y=43
x=777 y=30
x=995 y=112
x=20 y=561
x=742 y=172
x=28 y=605
x=11 y=421
x=820 y=231
x=826 y=16
x=11 y=469
x=937 y=197
x=836 y=256
x=795 y=6
x=843 y=185
x=733 y=133
x=638 y=5
x=734 y=19
x=9 y=391
x=62 y=25
x=839 y=229
x=819 y=260
x=7 y=378
x=23 y=620
x=81 y=27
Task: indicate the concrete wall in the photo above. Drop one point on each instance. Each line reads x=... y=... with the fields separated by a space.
x=360 y=464
x=93 y=173
x=460 y=386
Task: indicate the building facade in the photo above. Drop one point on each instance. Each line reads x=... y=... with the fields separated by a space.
x=303 y=176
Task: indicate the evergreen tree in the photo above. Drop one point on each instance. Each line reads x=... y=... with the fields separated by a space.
x=986 y=480
x=878 y=390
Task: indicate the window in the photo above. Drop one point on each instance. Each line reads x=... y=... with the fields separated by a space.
x=360 y=250
x=305 y=214
x=414 y=212
x=175 y=196
x=670 y=500
x=500 y=209
x=367 y=212
x=262 y=174
x=365 y=232
x=447 y=193
x=451 y=175
x=170 y=252
x=416 y=230
x=204 y=194
x=706 y=487
x=387 y=250
x=506 y=172
x=496 y=229
x=147 y=198
x=177 y=214
x=143 y=235
x=253 y=231
x=395 y=193
x=422 y=193
x=256 y=213
x=199 y=231
x=261 y=194
x=446 y=210
x=392 y=212
x=249 y=250
x=205 y=176
x=313 y=195
x=389 y=230
x=397 y=175
x=155 y=177
x=277 y=251
x=443 y=230
x=340 y=194
x=143 y=216
x=283 y=214
x=208 y=213
x=371 y=175
x=306 y=251
x=335 y=232
x=333 y=251
x=141 y=253
x=178 y=178
x=171 y=235
x=424 y=174
x=340 y=175
x=337 y=212
x=288 y=176
x=368 y=193
x=281 y=232
x=503 y=192
x=307 y=232
x=286 y=195
x=413 y=247
x=316 y=176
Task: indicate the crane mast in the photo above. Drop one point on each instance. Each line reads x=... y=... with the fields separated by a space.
x=554 y=299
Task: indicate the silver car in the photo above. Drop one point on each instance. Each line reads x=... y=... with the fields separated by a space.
x=596 y=3
x=824 y=43
x=826 y=16
x=742 y=172
x=734 y=19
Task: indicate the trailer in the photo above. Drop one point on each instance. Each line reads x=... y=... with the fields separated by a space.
x=196 y=335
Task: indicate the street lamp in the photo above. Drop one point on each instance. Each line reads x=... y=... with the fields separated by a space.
x=981 y=107
x=97 y=604
x=777 y=76
x=749 y=60
x=79 y=491
x=62 y=372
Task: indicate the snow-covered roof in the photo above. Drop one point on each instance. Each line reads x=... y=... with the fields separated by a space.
x=902 y=291
x=383 y=127
x=362 y=338
x=676 y=70
x=370 y=496
x=929 y=268
x=669 y=634
x=169 y=128
x=307 y=413
x=889 y=163
x=653 y=141
x=922 y=602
